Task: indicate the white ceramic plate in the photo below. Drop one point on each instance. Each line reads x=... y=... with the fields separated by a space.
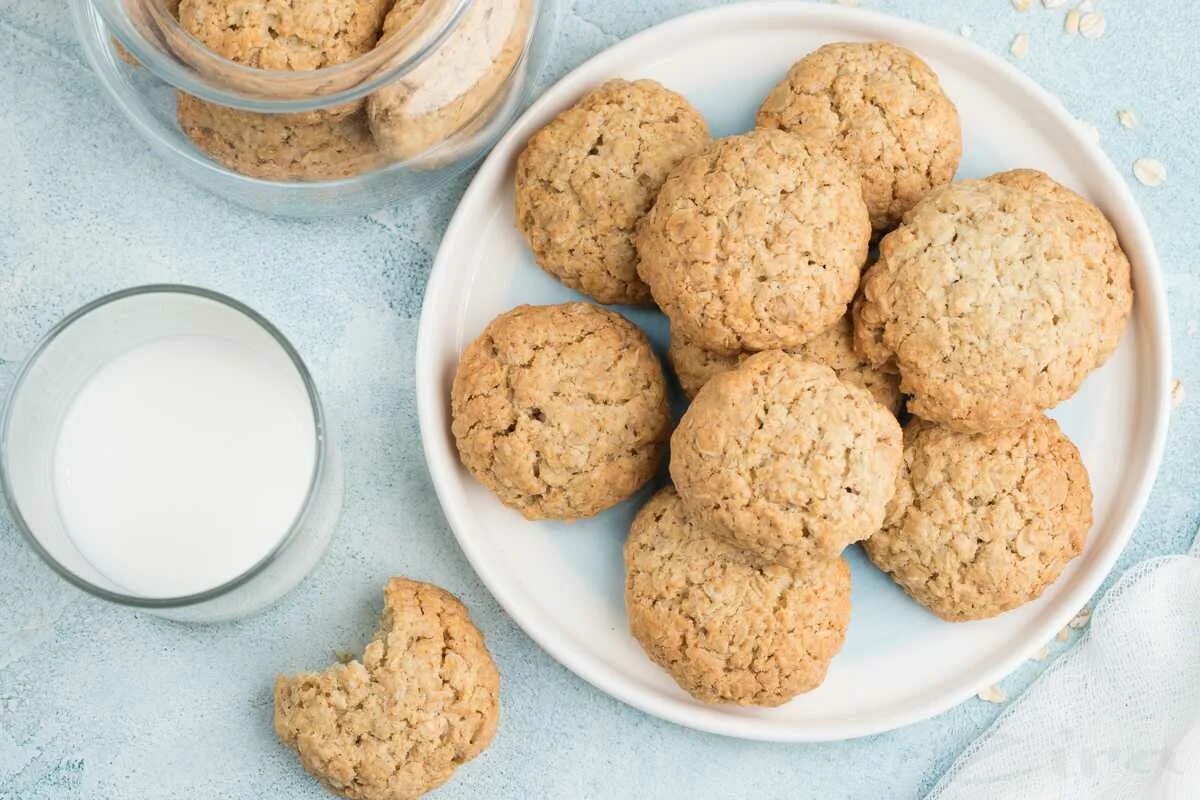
x=563 y=583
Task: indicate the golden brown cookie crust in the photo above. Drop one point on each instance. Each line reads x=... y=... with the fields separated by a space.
x=586 y=179
x=983 y=523
x=289 y=35
x=995 y=299
x=755 y=243
x=279 y=147
x=726 y=626
x=561 y=411
x=424 y=700
x=883 y=110
x=834 y=348
x=785 y=460
x=467 y=73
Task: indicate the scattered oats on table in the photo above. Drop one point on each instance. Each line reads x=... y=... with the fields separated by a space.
x=1092 y=25
x=1020 y=5
x=1064 y=634
x=1042 y=654
x=993 y=694
x=1177 y=393
x=1071 y=23
x=1080 y=619
x=1127 y=118
x=1020 y=45
x=1149 y=171
x=1053 y=3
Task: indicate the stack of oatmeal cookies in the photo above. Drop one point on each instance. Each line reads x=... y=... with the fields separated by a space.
x=988 y=302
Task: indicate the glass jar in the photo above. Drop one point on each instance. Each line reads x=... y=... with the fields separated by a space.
x=316 y=108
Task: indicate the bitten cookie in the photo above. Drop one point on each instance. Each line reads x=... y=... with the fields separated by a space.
x=726 y=626
x=587 y=178
x=995 y=299
x=287 y=35
x=561 y=411
x=447 y=92
x=982 y=523
x=785 y=460
x=755 y=243
x=883 y=110
x=424 y=700
x=834 y=348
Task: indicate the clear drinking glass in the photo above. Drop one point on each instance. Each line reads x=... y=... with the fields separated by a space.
x=386 y=117
x=72 y=353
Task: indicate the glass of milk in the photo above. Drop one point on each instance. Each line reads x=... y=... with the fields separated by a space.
x=164 y=448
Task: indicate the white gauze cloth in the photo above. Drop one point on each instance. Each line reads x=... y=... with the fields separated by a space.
x=1117 y=717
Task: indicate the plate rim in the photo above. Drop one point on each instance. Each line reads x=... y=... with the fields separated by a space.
x=433 y=419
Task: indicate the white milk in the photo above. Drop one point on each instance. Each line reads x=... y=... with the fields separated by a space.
x=182 y=463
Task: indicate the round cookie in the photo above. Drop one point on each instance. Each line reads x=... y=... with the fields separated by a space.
x=457 y=84
x=279 y=147
x=728 y=627
x=881 y=108
x=982 y=523
x=586 y=179
x=424 y=700
x=286 y=35
x=755 y=243
x=561 y=411
x=283 y=35
x=995 y=299
x=834 y=348
x=785 y=460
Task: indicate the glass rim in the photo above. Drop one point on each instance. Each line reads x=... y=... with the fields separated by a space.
x=376 y=64
x=320 y=431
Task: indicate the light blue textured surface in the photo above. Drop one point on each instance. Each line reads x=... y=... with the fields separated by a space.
x=98 y=702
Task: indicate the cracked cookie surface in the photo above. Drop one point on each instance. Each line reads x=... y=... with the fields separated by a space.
x=424 y=700
x=288 y=35
x=757 y=242
x=785 y=460
x=587 y=178
x=881 y=108
x=695 y=366
x=728 y=627
x=995 y=299
x=983 y=523
x=561 y=411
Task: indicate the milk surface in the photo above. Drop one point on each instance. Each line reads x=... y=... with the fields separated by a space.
x=182 y=463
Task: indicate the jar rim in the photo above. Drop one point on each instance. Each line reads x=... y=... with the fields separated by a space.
x=292 y=91
x=320 y=462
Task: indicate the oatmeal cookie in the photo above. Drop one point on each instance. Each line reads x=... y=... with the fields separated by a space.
x=834 y=348
x=424 y=700
x=785 y=460
x=458 y=83
x=755 y=243
x=982 y=523
x=883 y=110
x=279 y=147
x=288 y=35
x=995 y=299
x=728 y=627
x=587 y=178
x=561 y=411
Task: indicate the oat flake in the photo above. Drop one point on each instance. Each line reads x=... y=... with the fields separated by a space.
x=1042 y=654
x=1127 y=118
x=1020 y=5
x=1053 y=3
x=1080 y=619
x=1020 y=45
x=993 y=694
x=1064 y=634
x=1149 y=171
x=1177 y=393
x=1092 y=25
x=1071 y=23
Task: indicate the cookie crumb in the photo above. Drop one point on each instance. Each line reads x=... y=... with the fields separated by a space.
x=1080 y=619
x=1149 y=171
x=1127 y=118
x=993 y=694
x=1020 y=5
x=1020 y=45
x=1177 y=393
x=1071 y=23
x=1092 y=25
x=1064 y=634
